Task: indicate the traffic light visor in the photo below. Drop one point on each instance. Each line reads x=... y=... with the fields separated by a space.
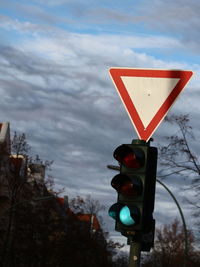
x=114 y=210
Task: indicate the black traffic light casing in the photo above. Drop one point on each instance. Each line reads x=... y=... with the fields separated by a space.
x=135 y=185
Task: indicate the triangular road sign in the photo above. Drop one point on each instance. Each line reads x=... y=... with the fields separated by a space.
x=148 y=94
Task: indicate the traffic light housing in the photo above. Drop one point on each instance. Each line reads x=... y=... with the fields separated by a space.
x=135 y=185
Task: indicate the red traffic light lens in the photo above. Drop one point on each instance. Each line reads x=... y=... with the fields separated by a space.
x=129 y=156
x=131 y=161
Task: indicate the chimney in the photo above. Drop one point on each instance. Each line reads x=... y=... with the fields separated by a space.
x=37 y=173
x=5 y=139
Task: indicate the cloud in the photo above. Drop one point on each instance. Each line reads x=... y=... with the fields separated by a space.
x=175 y=18
x=135 y=41
x=178 y=17
x=33 y=13
x=55 y=2
x=68 y=110
x=55 y=87
x=23 y=27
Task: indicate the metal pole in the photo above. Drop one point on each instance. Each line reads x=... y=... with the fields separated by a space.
x=134 y=255
x=183 y=220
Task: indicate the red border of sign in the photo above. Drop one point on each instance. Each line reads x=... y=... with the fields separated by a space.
x=116 y=74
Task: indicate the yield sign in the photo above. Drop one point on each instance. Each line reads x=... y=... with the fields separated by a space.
x=148 y=94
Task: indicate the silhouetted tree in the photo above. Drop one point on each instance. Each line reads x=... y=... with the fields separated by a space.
x=177 y=155
x=41 y=232
x=180 y=157
x=121 y=260
x=169 y=248
x=86 y=205
x=102 y=247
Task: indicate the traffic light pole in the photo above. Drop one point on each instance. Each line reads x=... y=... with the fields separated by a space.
x=134 y=255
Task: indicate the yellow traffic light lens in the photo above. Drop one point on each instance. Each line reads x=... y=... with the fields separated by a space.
x=127 y=185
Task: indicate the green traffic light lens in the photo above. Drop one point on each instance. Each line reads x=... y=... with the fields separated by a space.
x=125 y=216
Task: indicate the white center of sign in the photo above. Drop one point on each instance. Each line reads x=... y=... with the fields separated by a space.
x=148 y=94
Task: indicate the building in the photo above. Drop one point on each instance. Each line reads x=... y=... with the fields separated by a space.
x=90 y=219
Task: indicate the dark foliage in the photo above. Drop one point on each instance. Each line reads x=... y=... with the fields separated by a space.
x=169 y=250
x=36 y=231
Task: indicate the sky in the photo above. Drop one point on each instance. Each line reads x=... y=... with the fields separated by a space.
x=55 y=86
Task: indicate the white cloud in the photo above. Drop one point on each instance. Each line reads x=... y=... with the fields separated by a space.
x=55 y=87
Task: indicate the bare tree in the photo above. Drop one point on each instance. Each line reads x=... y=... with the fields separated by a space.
x=15 y=173
x=180 y=157
x=169 y=249
x=19 y=145
x=45 y=233
x=177 y=155
x=86 y=205
x=15 y=182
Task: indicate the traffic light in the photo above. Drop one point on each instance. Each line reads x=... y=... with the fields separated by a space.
x=135 y=185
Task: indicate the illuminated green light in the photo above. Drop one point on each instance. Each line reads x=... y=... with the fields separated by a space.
x=125 y=216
